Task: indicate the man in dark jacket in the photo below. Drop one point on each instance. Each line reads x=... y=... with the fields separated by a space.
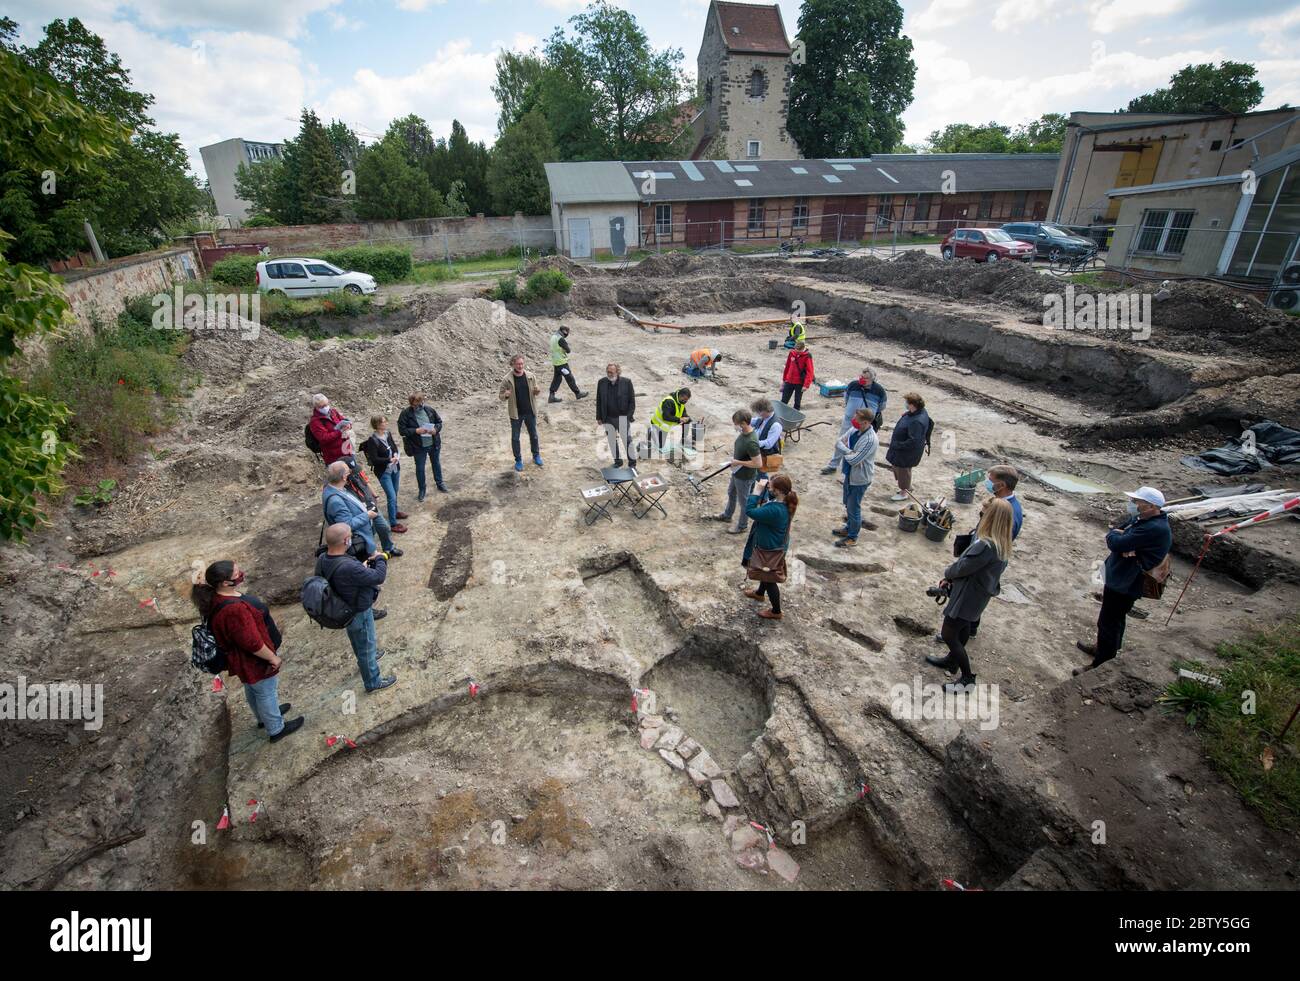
x=421 y=430
x=1136 y=546
x=615 y=409
x=908 y=443
x=356 y=584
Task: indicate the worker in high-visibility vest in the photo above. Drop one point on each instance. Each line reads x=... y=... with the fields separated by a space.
x=560 y=362
x=670 y=412
x=703 y=363
x=796 y=333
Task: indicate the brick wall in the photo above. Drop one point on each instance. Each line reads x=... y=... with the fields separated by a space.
x=427 y=238
x=102 y=292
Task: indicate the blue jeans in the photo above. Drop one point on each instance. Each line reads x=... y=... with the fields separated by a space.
x=853 y=505
x=264 y=700
x=738 y=491
x=361 y=632
x=384 y=532
x=516 y=425
x=434 y=454
x=389 y=480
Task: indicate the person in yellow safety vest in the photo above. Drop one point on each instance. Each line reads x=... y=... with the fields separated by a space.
x=670 y=412
x=560 y=362
x=702 y=363
x=795 y=334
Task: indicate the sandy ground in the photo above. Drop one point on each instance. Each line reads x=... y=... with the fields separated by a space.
x=540 y=780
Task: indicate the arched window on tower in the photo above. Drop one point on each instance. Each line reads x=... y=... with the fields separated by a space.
x=757 y=84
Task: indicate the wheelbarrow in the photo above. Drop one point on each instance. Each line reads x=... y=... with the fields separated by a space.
x=792 y=421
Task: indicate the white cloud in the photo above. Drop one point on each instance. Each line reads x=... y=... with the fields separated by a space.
x=1012 y=15
x=416 y=6
x=342 y=22
x=1278 y=36
x=939 y=15
x=1109 y=16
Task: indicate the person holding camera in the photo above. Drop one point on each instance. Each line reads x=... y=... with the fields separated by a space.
x=772 y=506
x=969 y=584
x=357 y=585
x=1138 y=545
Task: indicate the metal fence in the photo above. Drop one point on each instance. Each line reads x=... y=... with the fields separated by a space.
x=1164 y=242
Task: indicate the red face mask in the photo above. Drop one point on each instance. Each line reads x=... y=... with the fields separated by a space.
x=855 y=423
x=862 y=380
x=238 y=580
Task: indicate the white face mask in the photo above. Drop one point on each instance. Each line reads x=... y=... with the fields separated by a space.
x=325 y=408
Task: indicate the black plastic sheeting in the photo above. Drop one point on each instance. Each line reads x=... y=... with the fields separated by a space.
x=1265 y=444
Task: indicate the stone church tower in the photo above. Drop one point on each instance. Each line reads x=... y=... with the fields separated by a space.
x=744 y=85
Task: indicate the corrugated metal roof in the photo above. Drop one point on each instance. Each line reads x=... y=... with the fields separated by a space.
x=594 y=182
x=895 y=173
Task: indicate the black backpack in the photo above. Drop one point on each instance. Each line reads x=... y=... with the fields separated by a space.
x=323 y=604
x=205 y=653
x=309 y=438
x=928 y=431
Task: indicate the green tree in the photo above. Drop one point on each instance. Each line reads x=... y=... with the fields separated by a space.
x=965 y=138
x=311 y=180
x=519 y=77
x=261 y=184
x=389 y=187
x=43 y=128
x=1231 y=87
x=856 y=78
x=1046 y=134
x=467 y=162
x=346 y=143
x=517 y=175
x=73 y=54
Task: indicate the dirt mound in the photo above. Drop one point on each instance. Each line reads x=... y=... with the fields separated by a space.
x=464 y=350
x=686 y=264
x=224 y=353
x=564 y=264
x=1005 y=282
x=1202 y=318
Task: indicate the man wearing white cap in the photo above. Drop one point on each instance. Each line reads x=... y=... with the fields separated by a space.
x=1136 y=546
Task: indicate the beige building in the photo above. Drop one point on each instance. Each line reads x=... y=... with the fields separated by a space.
x=744 y=85
x=222 y=160
x=1108 y=150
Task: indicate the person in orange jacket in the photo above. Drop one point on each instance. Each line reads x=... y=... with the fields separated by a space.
x=798 y=374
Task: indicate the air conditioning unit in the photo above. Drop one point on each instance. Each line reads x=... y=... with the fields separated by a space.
x=1285 y=294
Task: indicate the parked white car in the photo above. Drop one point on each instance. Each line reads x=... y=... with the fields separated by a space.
x=298 y=278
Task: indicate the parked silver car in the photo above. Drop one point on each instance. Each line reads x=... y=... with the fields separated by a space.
x=298 y=278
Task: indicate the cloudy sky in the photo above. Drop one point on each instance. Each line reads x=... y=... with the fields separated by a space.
x=223 y=68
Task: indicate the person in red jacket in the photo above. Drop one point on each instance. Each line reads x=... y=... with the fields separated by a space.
x=798 y=374
x=247 y=634
x=332 y=431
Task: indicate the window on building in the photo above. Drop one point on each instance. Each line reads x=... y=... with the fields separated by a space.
x=1216 y=144
x=1018 y=204
x=884 y=210
x=757 y=84
x=1163 y=232
x=754 y=149
x=664 y=220
x=756 y=215
x=923 y=207
x=986 y=205
x=708 y=91
x=800 y=214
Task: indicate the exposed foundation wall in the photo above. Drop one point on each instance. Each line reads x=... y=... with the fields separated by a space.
x=101 y=292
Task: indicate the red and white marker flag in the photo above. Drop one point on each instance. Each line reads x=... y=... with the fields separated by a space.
x=256 y=805
x=217 y=684
x=333 y=740
x=224 y=823
x=473 y=688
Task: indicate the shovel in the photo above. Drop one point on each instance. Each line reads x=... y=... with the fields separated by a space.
x=697 y=483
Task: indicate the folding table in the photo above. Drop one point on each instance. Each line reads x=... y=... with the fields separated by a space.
x=651 y=490
x=598 y=503
x=621 y=480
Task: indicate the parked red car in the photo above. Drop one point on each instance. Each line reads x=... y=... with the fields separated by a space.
x=984 y=245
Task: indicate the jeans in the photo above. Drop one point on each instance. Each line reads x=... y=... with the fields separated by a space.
x=790 y=388
x=1110 y=623
x=361 y=632
x=955 y=633
x=853 y=505
x=620 y=435
x=389 y=480
x=738 y=489
x=380 y=524
x=562 y=371
x=434 y=454
x=516 y=425
x=264 y=700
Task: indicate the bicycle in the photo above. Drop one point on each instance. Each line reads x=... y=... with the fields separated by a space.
x=1066 y=265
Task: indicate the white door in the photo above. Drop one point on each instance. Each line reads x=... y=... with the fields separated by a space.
x=580 y=238
x=324 y=278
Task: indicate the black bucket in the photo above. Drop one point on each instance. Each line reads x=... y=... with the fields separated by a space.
x=964 y=495
x=772 y=345
x=934 y=532
x=908 y=522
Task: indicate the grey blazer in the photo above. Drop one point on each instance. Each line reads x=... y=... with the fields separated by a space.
x=975 y=580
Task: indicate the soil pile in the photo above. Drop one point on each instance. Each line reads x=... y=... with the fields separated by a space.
x=1004 y=282
x=222 y=352
x=687 y=264
x=1202 y=318
x=564 y=264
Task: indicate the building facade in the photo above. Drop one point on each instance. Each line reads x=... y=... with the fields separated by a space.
x=221 y=161
x=744 y=85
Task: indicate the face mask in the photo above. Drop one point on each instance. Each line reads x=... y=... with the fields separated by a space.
x=862 y=380
x=988 y=486
x=238 y=580
x=1132 y=509
x=325 y=408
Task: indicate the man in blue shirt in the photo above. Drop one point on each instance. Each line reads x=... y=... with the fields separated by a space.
x=864 y=392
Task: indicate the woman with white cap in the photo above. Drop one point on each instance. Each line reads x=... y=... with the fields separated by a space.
x=1136 y=546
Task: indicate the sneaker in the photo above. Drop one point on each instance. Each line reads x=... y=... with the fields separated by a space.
x=519 y=466
x=395 y=553
x=1089 y=649
x=537 y=461
x=941 y=662
x=383 y=683
x=938 y=639
x=898 y=497
x=846 y=543
x=721 y=517
x=420 y=498
x=554 y=398
x=379 y=614
x=618 y=464
x=293 y=725
x=1078 y=671
x=401 y=515
x=737 y=531
x=398 y=529
x=840 y=533
x=829 y=469
x=583 y=395
x=283 y=708
x=442 y=489
x=379 y=655
x=961 y=686
x=753 y=594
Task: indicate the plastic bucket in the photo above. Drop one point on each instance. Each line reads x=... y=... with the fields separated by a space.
x=963 y=495
x=908 y=522
x=936 y=533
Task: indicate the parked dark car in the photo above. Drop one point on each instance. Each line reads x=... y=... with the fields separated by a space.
x=984 y=245
x=1051 y=241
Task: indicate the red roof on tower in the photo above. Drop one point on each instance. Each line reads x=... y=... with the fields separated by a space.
x=752 y=28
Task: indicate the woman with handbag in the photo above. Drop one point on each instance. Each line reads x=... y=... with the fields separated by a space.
x=972 y=581
x=765 y=551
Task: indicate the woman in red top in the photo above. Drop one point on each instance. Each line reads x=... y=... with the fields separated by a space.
x=246 y=633
x=798 y=374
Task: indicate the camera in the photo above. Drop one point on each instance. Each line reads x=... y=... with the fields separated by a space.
x=940 y=593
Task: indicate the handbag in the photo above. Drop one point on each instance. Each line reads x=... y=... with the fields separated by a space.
x=768 y=564
x=1154 y=579
x=960 y=543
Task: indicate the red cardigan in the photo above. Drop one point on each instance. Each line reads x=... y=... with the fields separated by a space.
x=798 y=368
x=330 y=439
x=240 y=630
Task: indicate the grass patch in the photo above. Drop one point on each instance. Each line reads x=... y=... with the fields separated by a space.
x=429 y=273
x=1239 y=723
